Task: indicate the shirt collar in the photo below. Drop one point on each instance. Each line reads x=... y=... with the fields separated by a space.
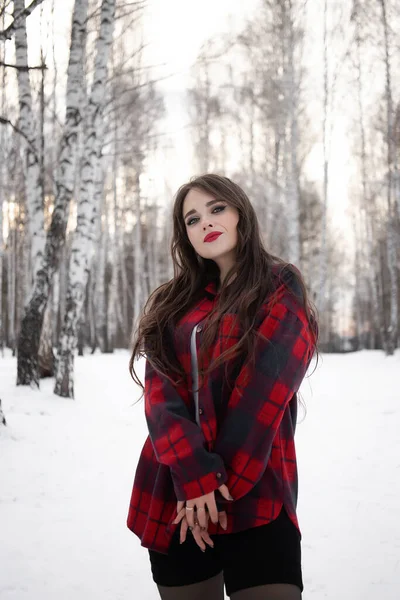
x=211 y=287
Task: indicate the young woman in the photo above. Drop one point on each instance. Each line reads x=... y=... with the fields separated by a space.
x=227 y=342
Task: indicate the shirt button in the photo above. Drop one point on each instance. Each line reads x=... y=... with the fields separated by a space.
x=199 y=327
x=219 y=475
x=200 y=411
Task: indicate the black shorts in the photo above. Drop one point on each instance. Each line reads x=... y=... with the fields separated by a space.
x=266 y=554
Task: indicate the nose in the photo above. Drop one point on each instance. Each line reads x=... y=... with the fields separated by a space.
x=209 y=225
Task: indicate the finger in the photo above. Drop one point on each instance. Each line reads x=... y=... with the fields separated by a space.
x=212 y=509
x=179 y=517
x=202 y=516
x=223 y=519
x=198 y=539
x=183 y=532
x=225 y=492
x=179 y=506
x=206 y=537
x=190 y=515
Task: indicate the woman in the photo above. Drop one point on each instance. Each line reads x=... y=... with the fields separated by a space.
x=228 y=342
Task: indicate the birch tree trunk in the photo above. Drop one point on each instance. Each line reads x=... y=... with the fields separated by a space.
x=376 y=326
x=1 y=255
x=31 y=326
x=100 y=314
x=293 y=189
x=11 y=274
x=391 y=332
x=87 y=210
x=323 y=265
x=138 y=257
x=33 y=179
x=2 y=198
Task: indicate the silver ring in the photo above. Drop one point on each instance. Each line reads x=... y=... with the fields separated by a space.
x=189 y=508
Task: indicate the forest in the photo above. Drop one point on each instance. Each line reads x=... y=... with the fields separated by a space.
x=87 y=151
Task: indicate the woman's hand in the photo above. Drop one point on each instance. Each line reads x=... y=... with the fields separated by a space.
x=195 y=516
x=200 y=534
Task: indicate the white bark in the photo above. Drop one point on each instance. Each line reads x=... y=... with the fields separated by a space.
x=365 y=215
x=392 y=329
x=87 y=210
x=323 y=265
x=19 y=15
x=100 y=317
x=2 y=198
x=32 y=322
x=292 y=90
x=1 y=253
x=11 y=283
x=117 y=299
x=138 y=256
x=33 y=181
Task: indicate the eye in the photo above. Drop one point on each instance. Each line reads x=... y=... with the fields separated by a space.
x=220 y=208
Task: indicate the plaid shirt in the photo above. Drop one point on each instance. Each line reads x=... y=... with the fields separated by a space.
x=246 y=439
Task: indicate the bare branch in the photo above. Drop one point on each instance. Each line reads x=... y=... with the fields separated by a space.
x=8 y=32
x=23 y=67
x=4 y=121
x=4 y=7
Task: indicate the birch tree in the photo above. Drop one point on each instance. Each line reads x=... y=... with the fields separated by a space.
x=19 y=15
x=2 y=195
x=323 y=263
x=291 y=91
x=87 y=209
x=27 y=121
x=392 y=323
x=366 y=215
x=31 y=326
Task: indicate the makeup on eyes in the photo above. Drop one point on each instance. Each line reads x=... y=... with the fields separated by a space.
x=222 y=206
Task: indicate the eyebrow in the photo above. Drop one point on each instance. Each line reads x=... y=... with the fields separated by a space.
x=207 y=204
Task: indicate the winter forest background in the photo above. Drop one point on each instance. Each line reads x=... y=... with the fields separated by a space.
x=102 y=120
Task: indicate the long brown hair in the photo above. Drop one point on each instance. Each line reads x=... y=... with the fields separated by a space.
x=243 y=290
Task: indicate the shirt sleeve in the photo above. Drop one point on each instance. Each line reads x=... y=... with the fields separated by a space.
x=178 y=441
x=284 y=348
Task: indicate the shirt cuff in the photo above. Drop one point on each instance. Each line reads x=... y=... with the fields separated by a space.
x=187 y=490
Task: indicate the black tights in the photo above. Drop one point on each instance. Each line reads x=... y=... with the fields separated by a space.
x=213 y=589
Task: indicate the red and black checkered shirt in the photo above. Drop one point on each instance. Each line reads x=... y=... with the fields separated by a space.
x=246 y=438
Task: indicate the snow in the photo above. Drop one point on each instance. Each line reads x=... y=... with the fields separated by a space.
x=67 y=469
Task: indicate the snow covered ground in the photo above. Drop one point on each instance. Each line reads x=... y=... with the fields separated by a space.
x=67 y=467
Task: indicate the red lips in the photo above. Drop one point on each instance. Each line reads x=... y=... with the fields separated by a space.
x=212 y=236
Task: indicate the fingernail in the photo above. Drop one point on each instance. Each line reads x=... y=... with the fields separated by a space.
x=202 y=549
x=230 y=497
x=224 y=527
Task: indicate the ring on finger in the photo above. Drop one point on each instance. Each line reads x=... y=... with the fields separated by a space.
x=189 y=508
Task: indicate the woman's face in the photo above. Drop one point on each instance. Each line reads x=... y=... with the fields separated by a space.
x=210 y=215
